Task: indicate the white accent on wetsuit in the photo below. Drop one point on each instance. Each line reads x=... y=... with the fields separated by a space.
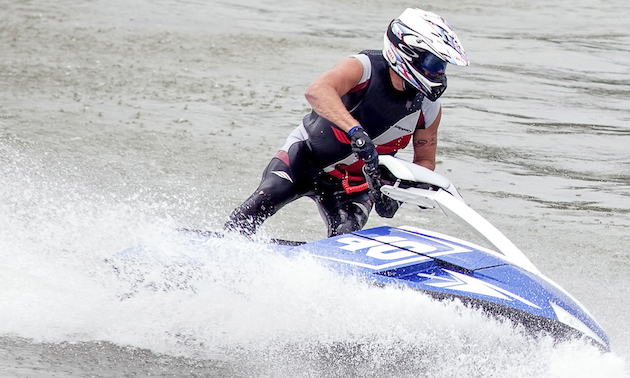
x=298 y=134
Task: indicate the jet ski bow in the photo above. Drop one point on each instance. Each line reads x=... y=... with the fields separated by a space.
x=502 y=282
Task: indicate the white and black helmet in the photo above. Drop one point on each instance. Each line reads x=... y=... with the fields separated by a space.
x=418 y=46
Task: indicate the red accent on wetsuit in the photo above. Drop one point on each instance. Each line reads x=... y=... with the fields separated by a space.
x=283 y=156
x=393 y=146
x=360 y=86
x=340 y=135
x=354 y=171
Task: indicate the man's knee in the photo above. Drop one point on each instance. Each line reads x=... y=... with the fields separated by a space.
x=348 y=219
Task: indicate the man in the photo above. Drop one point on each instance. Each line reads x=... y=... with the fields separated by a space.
x=368 y=104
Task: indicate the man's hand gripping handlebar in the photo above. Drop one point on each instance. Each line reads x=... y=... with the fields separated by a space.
x=364 y=148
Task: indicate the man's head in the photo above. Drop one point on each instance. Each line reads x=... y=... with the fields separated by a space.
x=418 y=46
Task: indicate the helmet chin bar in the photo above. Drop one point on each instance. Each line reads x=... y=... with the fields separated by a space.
x=431 y=89
x=438 y=90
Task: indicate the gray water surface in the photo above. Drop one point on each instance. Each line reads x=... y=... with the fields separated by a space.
x=122 y=121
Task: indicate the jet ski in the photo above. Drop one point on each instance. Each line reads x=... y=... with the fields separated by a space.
x=501 y=281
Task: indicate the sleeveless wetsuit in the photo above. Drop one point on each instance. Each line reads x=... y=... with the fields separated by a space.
x=317 y=154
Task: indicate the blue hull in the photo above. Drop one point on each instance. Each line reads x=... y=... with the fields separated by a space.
x=446 y=267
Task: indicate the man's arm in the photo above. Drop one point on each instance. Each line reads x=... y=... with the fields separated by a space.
x=324 y=94
x=425 y=144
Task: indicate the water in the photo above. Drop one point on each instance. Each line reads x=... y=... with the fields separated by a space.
x=122 y=121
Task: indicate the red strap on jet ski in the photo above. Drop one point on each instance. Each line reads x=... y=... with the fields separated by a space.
x=352 y=189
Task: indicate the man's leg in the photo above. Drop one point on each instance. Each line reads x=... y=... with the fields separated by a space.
x=344 y=213
x=282 y=182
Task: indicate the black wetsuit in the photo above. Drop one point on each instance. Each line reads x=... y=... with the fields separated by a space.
x=317 y=156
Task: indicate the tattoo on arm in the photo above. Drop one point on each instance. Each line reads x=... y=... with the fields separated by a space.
x=425 y=142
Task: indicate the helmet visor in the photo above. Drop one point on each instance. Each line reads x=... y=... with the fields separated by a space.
x=430 y=63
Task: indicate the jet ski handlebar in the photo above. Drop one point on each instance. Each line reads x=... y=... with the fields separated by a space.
x=410 y=183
